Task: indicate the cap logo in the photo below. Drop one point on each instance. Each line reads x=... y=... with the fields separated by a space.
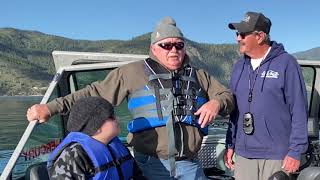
x=246 y=18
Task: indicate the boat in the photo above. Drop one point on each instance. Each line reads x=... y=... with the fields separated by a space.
x=75 y=70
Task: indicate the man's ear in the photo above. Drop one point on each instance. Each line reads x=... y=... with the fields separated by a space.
x=262 y=38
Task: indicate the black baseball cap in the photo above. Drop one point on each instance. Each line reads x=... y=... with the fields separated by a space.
x=253 y=21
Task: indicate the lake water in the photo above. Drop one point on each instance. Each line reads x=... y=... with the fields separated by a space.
x=13 y=122
x=13 y=119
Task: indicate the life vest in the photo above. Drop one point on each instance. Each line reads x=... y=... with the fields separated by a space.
x=112 y=161
x=153 y=104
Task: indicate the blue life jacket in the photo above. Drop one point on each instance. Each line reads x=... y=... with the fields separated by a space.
x=152 y=105
x=112 y=161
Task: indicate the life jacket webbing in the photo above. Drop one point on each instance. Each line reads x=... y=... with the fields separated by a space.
x=158 y=103
x=160 y=76
x=169 y=76
x=171 y=147
x=187 y=78
x=149 y=92
x=116 y=162
x=165 y=104
x=149 y=110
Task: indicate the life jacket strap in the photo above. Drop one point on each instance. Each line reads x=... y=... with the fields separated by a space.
x=171 y=147
x=160 y=76
x=114 y=163
x=188 y=78
x=158 y=103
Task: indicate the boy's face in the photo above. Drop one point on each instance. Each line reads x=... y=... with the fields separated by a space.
x=111 y=127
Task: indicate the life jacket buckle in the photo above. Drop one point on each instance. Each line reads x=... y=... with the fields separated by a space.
x=181 y=100
x=116 y=162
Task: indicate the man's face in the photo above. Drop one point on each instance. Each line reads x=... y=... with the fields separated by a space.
x=247 y=42
x=170 y=52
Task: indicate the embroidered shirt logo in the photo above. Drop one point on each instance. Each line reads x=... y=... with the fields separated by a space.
x=270 y=74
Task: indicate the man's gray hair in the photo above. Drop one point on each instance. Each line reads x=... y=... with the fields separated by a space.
x=267 y=39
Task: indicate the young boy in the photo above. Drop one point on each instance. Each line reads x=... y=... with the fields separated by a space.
x=92 y=150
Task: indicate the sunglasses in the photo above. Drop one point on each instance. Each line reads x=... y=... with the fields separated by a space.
x=244 y=34
x=168 y=45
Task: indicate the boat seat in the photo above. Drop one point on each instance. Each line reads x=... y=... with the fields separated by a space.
x=310 y=173
x=37 y=172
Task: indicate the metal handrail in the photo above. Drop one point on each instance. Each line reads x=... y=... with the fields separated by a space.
x=14 y=157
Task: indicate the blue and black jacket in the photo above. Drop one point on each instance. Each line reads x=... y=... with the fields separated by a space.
x=112 y=161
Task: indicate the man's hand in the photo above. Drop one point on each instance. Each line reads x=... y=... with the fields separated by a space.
x=208 y=112
x=290 y=164
x=38 y=112
x=228 y=162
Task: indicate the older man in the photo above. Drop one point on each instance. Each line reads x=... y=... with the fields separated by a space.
x=171 y=103
x=268 y=129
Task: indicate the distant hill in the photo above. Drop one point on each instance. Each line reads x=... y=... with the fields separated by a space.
x=312 y=54
x=26 y=64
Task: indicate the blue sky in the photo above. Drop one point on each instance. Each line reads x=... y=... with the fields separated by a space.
x=296 y=24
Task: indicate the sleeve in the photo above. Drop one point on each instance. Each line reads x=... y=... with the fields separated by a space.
x=234 y=116
x=73 y=163
x=231 y=131
x=111 y=88
x=296 y=96
x=217 y=91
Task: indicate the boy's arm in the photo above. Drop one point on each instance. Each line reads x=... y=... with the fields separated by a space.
x=72 y=163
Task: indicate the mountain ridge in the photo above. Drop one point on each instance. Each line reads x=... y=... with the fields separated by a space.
x=311 y=54
x=26 y=63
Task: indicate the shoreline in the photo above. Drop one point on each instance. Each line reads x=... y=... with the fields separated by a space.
x=22 y=97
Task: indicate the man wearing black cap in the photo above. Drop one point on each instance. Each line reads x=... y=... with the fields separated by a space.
x=92 y=149
x=171 y=103
x=268 y=129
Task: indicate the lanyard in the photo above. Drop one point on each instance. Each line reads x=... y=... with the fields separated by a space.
x=253 y=83
x=255 y=78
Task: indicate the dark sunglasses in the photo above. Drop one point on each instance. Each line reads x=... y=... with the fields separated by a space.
x=244 y=34
x=168 y=45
